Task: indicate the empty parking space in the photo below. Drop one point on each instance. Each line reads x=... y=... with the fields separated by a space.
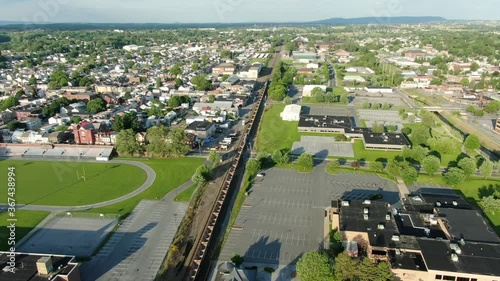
x=283 y=216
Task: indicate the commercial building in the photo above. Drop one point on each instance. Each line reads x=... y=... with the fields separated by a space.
x=324 y=124
x=432 y=236
x=38 y=267
x=291 y=113
x=307 y=90
x=224 y=68
x=385 y=141
x=250 y=72
x=202 y=130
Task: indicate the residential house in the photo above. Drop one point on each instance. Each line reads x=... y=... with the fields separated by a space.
x=27 y=112
x=216 y=108
x=85 y=133
x=16 y=136
x=105 y=138
x=6 y=116
x=413 y=54
x=32 y=123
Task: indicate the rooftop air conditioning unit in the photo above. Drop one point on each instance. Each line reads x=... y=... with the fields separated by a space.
x=398 y=252
x=367 y=202
x=387 y=217
x=454 y=257
x=365 y=217
x=380 y=226
x=433 y=221
x=455 y=203
x=365 y=210
x=395 y=238
x=455 y=248
x=438 y=204
x=345 y=203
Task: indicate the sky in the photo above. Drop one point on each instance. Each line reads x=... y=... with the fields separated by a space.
x=231 y=11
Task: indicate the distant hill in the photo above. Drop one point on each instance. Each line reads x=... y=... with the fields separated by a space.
x=2 y=22
x=380 y=20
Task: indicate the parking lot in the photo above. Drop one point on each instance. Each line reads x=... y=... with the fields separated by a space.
x=380 y=115
x=70 y=236
x=321 y=147
x=283 y=216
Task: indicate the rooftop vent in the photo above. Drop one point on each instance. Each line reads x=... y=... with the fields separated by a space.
x=365 y=217
x=388 y=217
x=398 y=252
x=456 y=248
x=438 y=204
x=395 y=238
x=345 y=203
x=455 y=203
x=380 y=226
x=454 y=257
x=365 y=210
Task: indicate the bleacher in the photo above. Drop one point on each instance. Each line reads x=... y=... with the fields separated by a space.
x=63 y=152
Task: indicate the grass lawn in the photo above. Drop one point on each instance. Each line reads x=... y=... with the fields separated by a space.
x=26 y=221
x=186 y=195
x=57 y=183
x=371 y=155
x=276 y=134
x=170 y=173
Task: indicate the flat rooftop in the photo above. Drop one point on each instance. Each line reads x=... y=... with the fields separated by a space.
x=325 y=121
x=407 y=260
x=379 y=224
x=475 y=258
x=26 y=269
x=385 y=138
x=468 y=225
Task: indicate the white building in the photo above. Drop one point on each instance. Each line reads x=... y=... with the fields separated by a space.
x=306 y=92
x=291 y=113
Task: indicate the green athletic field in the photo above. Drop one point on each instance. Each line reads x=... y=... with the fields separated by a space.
x=70 y=184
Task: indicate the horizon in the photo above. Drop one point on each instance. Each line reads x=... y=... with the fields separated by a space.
x=236 y=11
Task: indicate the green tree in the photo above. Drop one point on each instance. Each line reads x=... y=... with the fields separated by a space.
x=96 y=105
x=384 y=272
x=366 y=105
x=474 y=66
x=420 y=135
x=8 y=103
x=127 y=95
x=305 y=161
x=376 y=166
x=355 y=164
x=278 y=93
x=366 y=270
x=62 y=128
x=201 y=175
x=126 y=143
x=490 y=204
x=287 y=100
x=211 y=98
x=486 y=168
x=378 y=128
x=472 y=142
x=279 y=157
x=13 y=125
x=201 y=83
x=237 y=260
x=492 y=107
x=195 y=66
x=177 y=142
x=454 y=176
x=32 y=80
x=176 y=70
x=333 y=165
x=468 y=165
x=76 y=119
x=314 y=266
x=158 y=82
x=408 y=173
x=345 y=267
x=156 y=138
x=253 y=167
x=214 y=158
x=431 y=164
